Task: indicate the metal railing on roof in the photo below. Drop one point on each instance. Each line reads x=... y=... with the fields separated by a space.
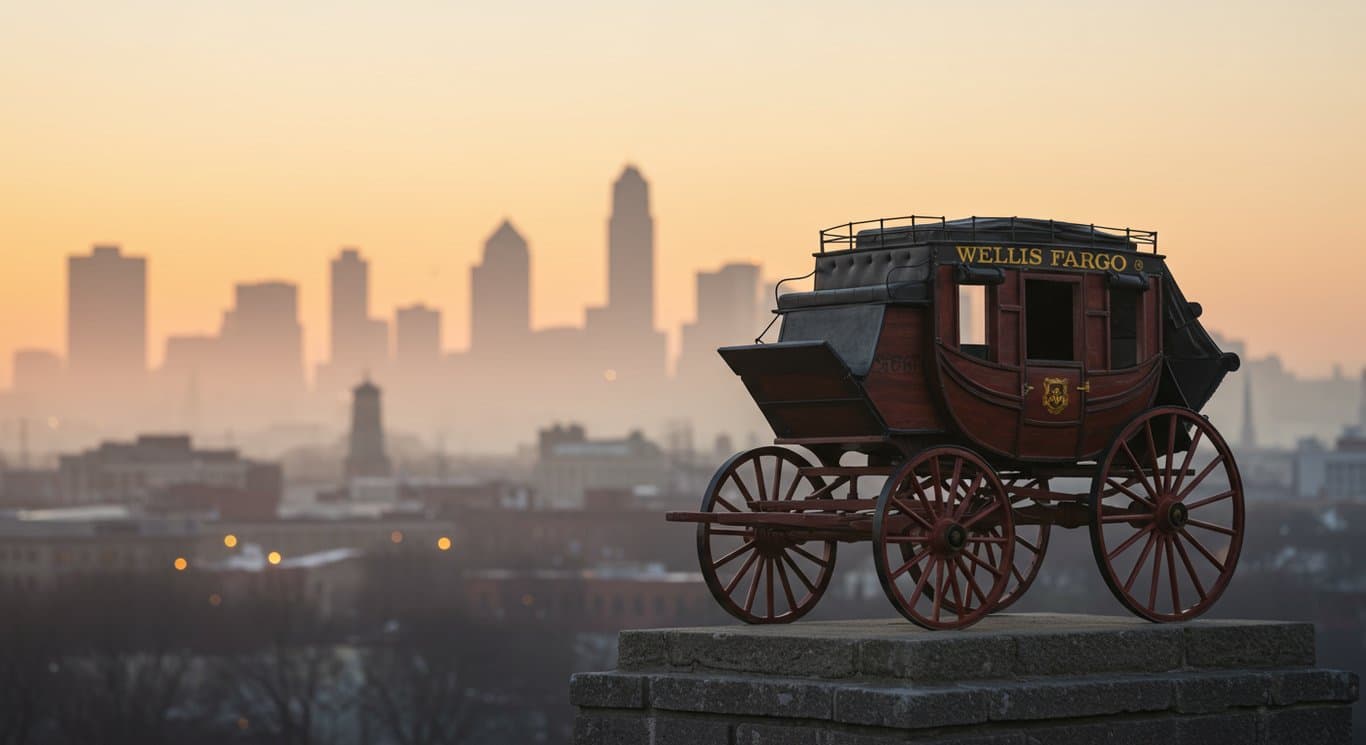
x=890 y=231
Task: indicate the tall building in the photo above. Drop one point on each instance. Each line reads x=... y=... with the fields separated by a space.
x=262 y=341
x=1249 y=433
x=417 y=338
x=106 y=323
x=36 y=371
x=365 y=455
x=727 y=306
x=631 y=252
x=500 y=293
x=358 y=342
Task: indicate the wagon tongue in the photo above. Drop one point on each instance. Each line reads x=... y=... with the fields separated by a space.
x=804 y=389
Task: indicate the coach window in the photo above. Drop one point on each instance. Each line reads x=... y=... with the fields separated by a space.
x=1049 y=314
x=972 y=320
x=1123 y=327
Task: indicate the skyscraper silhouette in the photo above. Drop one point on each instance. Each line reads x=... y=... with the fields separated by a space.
x=262 y=341
x=106 y=327
x=358 y=342
x=365 y=455
x=500 y=293
x=417 y=338
x=631 y=252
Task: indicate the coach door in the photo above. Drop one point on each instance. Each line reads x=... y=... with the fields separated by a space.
x=1054 y=375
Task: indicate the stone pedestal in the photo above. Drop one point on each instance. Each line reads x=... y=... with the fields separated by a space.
x=1014 y=679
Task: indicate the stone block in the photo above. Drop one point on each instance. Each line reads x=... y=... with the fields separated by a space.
x=749 y=696
x=642 y=650
x=607 y=690
x=1208 y=693
x=1146 y=731
x=765 y=654
x=906 y=707
x=1232 y=644
x=1240 y=728
x=1078 y=697
x=749 y=733
x=591 y=728
x=1310 y=725
x=954 y=658
x=1151 y=649
x=1313 y=686
x=689 y=731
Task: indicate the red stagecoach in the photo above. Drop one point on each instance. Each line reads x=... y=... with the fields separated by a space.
x=975 y=369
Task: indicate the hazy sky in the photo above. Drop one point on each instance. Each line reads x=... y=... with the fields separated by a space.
x=250 y=140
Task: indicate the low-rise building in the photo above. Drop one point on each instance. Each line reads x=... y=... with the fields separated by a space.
x=569 y=464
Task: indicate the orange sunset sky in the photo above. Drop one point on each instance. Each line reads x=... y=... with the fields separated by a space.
x=250 y=140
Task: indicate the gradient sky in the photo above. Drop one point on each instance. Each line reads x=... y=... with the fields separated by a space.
x=250 y=140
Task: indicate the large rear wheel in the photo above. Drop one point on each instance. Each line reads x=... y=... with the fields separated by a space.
x=1167 y=515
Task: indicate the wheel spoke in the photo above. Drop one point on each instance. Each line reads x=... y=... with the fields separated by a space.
x=995 y=505
x=1125 y=517
x=1168 y=477
x=1138 y=471
x=953 y=585
x=1130 y=493
x=1190 y=570
x=968 y=498
x=796 y=482
x=754 y=586
x=1157 y=574
x=919 y=589
x=1158 y=480
x=987 y=539
x=787 y=586
x=735 y=476
x=1191 y=486
x=972 y=581
x=1131 y=541
x=759 y=477
x=1026 y=544
x=1210 y=500
x=906 y=567
x=956 y=480
x=1171 y=572
x=769 y=563
x=749 y=544
x=912 y=513
x=920 y=492
x=824 y=563
x=1203 y=551
x=726 y=503
x=1210 y=527
x=778 y=477
x=938 y=583
x=979 y=562
x=810 y=586
x=744 y=568
x=1138 y=565
x=1186 y=462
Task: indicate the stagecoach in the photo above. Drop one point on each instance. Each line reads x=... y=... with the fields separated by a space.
x=962 y=388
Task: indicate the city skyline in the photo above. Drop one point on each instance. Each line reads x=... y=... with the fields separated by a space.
x=240 y=142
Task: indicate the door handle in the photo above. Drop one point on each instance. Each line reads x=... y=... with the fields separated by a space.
x=1027 y=389
x=1086 y=388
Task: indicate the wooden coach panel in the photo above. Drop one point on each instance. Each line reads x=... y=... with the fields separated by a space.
x=1096 y=306
x=898 y=383
x=983 y=399
x=1115 y=398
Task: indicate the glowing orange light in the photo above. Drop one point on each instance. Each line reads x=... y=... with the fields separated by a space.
x=527 y=600
x=215 y=600
x=180 y=564
x=230 y=540
x=443 y=543
x=396 y=536
x=242 y=723
x=273 y=557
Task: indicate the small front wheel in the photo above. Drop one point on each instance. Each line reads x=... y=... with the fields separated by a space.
x=944 y=538
x=760 y=574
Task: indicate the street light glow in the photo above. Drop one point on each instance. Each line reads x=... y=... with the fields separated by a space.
x=273 y=557
x=443 y=543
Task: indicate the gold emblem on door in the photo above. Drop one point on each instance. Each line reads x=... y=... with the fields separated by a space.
x=1055 y=395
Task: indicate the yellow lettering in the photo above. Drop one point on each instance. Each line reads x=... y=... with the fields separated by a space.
x=1088 y=260
x=1035 y=256
x=1070 y=260
x=965 y=253
x=1119 y=263
x=1056 y=257
x=1103 y=262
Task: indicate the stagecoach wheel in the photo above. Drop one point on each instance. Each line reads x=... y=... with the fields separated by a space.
x=1167 y=515
x=1031 y=542
x=934 y=513
x=757 y=574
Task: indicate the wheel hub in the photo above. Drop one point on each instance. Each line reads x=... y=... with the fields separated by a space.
x=1177 y=515
x=950 y=537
